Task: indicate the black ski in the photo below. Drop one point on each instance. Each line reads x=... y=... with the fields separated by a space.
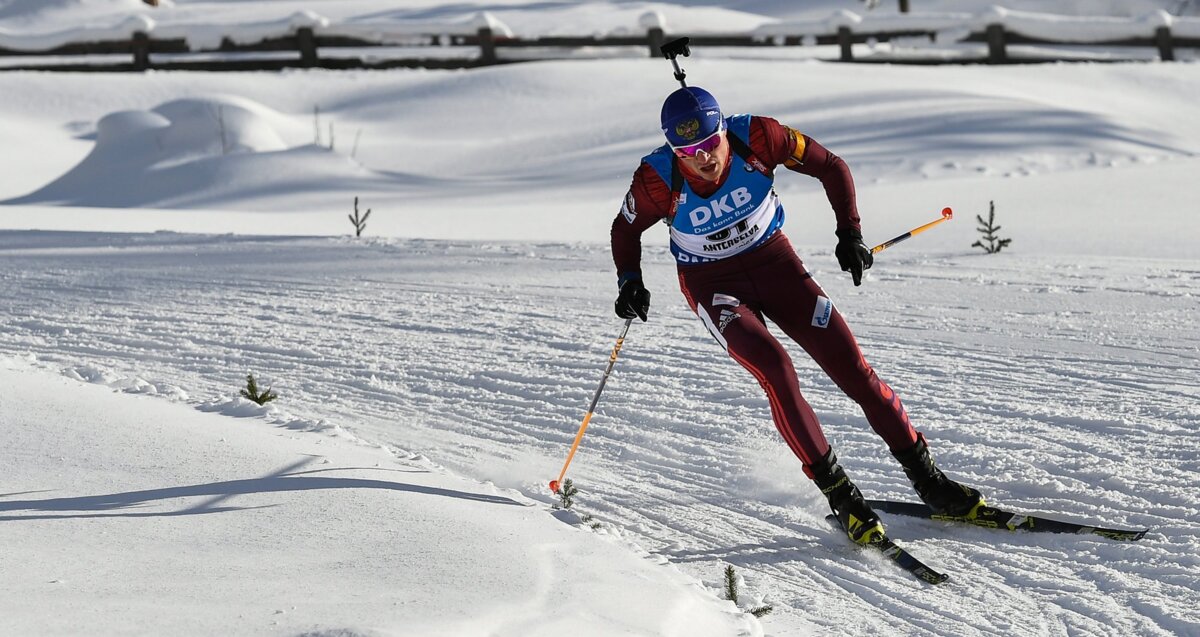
x=901 y=557
x=994 y=518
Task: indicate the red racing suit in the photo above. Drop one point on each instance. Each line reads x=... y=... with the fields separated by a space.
x=734 y=295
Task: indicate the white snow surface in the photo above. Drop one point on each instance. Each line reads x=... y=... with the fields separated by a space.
x=164 y=234
x=31 y=25
x=127 y=515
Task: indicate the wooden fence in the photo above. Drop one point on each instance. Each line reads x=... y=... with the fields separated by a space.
x=144 y=51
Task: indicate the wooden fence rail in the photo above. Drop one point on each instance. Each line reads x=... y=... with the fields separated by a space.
x=308 y=43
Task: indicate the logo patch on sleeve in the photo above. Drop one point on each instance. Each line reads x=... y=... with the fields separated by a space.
x=628 y=210
x=822 y=313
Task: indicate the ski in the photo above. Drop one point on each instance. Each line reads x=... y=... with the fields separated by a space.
x=994 y=518
x=901 y=557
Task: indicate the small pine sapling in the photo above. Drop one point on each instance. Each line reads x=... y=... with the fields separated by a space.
x=989 y=229
x=251 y=392
x=731 y=587
x=731 y=593
x=360 y=223
x=566 y=493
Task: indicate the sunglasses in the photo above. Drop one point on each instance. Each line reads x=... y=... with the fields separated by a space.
x=708 y=145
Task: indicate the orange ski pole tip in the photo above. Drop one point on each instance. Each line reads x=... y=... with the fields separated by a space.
x=554 y=486
x=947 y=213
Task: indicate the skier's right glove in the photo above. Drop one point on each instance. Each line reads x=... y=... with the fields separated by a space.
x=633 y=300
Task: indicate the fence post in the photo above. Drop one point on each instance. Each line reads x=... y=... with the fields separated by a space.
x=995 y=41
x=487 y=46
x=1166 y=48
x=903 y=6
x=655 y=38
x=306 y=41
x=843 y=37
x=141 y=51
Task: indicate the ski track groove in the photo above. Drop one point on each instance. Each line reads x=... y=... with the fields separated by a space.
x=1029 y=379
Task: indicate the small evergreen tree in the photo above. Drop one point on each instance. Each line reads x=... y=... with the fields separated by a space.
x=731 y=587
x=566 y=493
x=731 y=593
x=360 y=224
x=251 y=392
x=989 y=229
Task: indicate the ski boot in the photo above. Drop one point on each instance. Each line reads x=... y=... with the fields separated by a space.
x=853 y=513
x=943 y=495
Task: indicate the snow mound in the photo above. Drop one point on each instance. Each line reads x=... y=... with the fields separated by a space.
x=193 y=152
x=100 y=375
x=238 y=408
x=24 y=10
x=226 y=124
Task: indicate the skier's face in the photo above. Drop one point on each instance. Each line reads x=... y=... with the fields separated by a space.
x=708 y=164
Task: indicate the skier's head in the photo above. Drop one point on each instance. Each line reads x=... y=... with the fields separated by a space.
x=695 y=129
x=689 y=116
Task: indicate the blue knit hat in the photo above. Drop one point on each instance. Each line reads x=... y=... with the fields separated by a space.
x=689 y=115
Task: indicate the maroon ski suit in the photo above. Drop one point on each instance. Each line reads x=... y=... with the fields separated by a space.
x=733 y=296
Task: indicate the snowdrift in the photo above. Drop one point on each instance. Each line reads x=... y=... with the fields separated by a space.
x=235 y=527
x=197 y=149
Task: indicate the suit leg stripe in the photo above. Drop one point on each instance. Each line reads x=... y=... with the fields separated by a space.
x=777 y=412
x=702 y=312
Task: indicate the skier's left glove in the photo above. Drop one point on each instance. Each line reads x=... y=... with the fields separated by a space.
x=633 y=300
x=852 y=255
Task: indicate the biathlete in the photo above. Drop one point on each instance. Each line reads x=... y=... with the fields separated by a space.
x=711 y=183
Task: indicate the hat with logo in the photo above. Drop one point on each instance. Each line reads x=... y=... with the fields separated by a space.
x=689 y=115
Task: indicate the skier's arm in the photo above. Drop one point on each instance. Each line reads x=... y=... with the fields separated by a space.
x=798 y=152
x=647 y=202
x=801 y=153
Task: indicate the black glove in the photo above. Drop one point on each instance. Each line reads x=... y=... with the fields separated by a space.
x=634 y=300
x=852 y=255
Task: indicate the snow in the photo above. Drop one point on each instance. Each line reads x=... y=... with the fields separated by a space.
x=204 y=25
x=131 y=515
x=44 y=41
x=164 y=234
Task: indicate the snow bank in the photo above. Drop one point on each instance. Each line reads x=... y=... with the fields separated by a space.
x=399 y=32
x=99 y=375
x=1048 y=26
x=201 y=36
x=123 y=513
x=522 y=139
x=24 y=11
x=208 y=148
x=122 y=30
x=1075 y=29
x=407 y=28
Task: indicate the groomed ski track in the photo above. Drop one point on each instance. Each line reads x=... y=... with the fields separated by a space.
x=1062 y=385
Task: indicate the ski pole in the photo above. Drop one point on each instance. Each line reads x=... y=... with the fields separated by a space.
x=612 y=360
x=947 y=214
x=673 y=49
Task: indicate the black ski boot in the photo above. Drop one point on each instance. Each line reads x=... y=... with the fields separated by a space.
x=852 y=511
x=943 y=495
